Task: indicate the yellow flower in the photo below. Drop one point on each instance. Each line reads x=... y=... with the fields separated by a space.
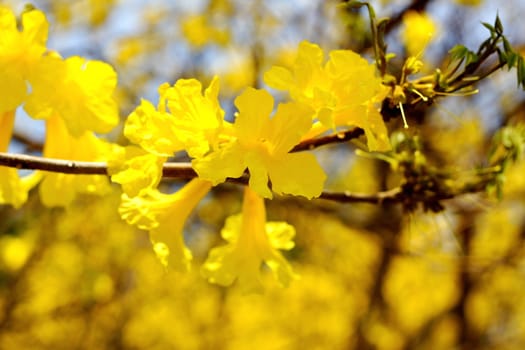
x=57 y=189
x=184 y=119
x=19 y=52
x=199 y=117
x=251 y=242
x=135 y=170
x=418 y=31
x=164 y=215
x=13 y=189
x=79 y=91
x=344 y=92
x=261 y=144
x=152 y=130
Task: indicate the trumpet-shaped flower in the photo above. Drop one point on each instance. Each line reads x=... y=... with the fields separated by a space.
x=261 y=144
x=87 y=147
x=19 y=52
x=252 y=242
x=164 y=215
x=343 y=92
x=13 y=189
x=79 y=91
x=184 y=119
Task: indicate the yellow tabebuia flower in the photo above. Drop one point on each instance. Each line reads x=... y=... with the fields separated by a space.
x=81 y=92
x=346 y=91
x=19 y=52
x=418 y=31
x=164 y=215
x=184 y=119
x=261 y=144
x=153 y=130
x=13 y=189
x=57 y=189
x=252 y=242
x=199 y=118
x=135 y=169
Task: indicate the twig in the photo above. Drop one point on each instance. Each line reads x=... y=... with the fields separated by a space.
x=416 y=5
x=28 y=142
x=335 y=138
x=393 y=195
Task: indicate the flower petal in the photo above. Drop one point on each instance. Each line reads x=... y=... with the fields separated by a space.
x=297 y=174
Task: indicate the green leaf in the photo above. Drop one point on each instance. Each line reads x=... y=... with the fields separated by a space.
x=512 y=59
x=498 y=26
x=489 y=27
x=458 y=52
x=506 y=45
x=521 y=72
x=471 y=57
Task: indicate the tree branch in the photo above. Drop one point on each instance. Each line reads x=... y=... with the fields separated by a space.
x=392 y=195
x=402 y=194
x=22 y=161
x=335 y=138
x=416 y=5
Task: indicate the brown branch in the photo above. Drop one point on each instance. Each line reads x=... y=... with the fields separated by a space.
x=393 y=195
x=22 y=161
x=28 y=142
x=185 y=171
x=335 y=138
x=416 y=5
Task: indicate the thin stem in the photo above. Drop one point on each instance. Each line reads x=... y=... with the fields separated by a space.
x=481 y=77
x=345 y=136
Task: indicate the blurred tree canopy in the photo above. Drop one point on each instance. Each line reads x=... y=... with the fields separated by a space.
x=420 y=246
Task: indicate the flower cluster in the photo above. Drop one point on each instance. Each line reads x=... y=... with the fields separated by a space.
x=75 y=98
x=258 y=143
x=345 y=91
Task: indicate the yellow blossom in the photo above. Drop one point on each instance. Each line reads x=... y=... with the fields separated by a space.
x=19 y=52
x=153 y=130
x=13 y=189
x=164 y=215
x=184 y=119
x=79 y=91
x=418 y=31
x=346 y=91
x=261 y=144
x=135 y=169
x=251 y=242
x=199 y=117
x=58 y=189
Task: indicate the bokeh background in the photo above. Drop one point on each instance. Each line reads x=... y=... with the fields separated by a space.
x=372 y=276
